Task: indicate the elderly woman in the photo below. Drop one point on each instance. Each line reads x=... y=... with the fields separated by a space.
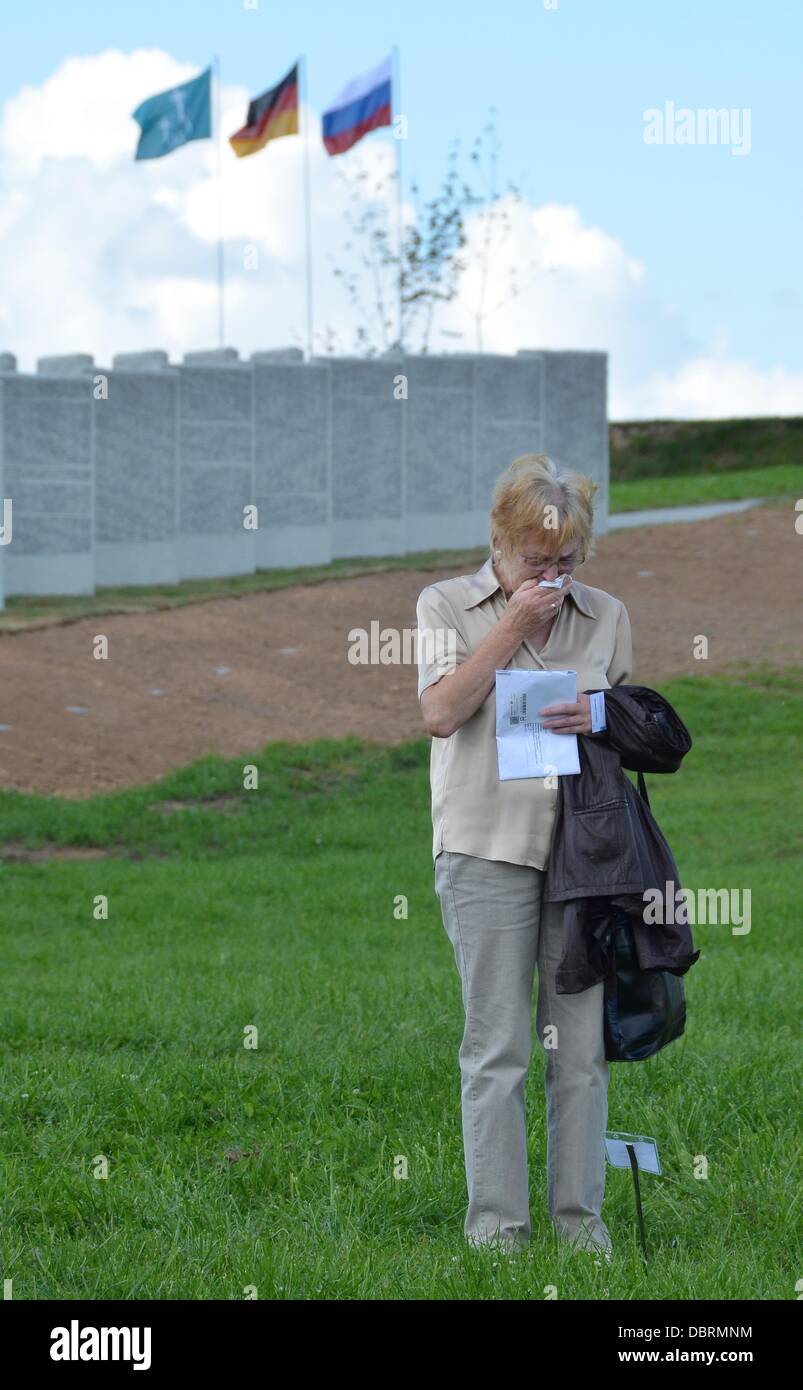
x=491 y=841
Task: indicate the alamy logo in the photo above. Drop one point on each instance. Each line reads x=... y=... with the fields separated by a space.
x=704 y=126
x=76 y=1343
x=714 y=905
x=405 y=646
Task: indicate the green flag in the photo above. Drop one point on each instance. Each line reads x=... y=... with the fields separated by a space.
x=174 y=117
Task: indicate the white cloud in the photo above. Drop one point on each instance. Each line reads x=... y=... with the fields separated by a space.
x=112 y=254
x=84 y=108
x=711 y=388
x=550 y=281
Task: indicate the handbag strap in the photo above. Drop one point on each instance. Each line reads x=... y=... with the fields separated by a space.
x=642 y=786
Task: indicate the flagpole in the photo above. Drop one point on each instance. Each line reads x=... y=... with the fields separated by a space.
x=395 y=111
x=216 y=66
x=307 y=218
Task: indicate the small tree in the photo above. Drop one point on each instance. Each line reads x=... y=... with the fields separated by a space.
x=410 y=282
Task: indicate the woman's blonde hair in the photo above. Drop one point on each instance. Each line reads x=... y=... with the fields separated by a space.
x=533 y=495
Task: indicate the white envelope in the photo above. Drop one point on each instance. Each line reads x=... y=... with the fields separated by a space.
x=525 y=748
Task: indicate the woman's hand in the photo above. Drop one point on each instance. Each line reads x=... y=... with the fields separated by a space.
x=569 y=718
x=530 y=608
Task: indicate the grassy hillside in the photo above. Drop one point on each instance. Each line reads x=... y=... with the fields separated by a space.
x=671 y=448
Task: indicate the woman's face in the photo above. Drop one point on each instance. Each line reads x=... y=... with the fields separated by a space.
x=535 y=561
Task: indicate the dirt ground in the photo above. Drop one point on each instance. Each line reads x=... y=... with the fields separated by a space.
x=237 y=673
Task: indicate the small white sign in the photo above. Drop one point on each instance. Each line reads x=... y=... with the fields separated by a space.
x=645 y=1149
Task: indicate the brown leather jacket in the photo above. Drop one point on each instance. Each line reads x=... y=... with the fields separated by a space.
x=607 y=850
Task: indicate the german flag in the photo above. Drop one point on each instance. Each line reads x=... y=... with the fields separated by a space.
x=274 y=113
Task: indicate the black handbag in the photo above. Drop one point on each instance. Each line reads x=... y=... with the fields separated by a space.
x=643 y=1009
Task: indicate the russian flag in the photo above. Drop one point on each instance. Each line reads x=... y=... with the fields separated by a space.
x=361 y=106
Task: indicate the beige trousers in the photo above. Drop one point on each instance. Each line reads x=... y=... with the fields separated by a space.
x=500 y=929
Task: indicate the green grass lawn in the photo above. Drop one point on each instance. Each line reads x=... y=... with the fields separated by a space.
x=678 y=463
x=681 y=490
x=274 y=909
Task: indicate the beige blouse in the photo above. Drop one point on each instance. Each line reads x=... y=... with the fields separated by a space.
x=473 y=812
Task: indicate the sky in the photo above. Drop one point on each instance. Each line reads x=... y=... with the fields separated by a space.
x=681 y=260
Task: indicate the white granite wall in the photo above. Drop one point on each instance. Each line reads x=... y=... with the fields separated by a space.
x=8 y=363
x=136 y=474
x=367 y=457
x=292 y=461
x=154 y=478
x=215 y=468
x=47 y=464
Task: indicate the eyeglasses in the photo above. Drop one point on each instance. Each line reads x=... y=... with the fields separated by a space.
x=564 y=565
